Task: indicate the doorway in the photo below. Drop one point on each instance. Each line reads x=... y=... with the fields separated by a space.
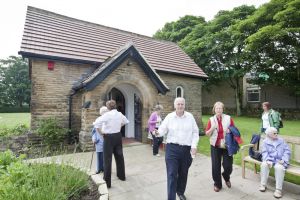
x=117 y=95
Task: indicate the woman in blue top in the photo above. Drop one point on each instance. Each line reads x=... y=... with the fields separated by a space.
x=97 y=139
x=275 y=153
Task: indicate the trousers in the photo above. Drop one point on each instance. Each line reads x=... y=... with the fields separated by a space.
x=112 y=145
x=279 y=174
x=178 y=161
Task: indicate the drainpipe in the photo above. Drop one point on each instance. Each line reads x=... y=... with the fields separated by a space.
x=73 y=92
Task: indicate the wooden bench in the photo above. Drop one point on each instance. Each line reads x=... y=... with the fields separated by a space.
x=292 y=141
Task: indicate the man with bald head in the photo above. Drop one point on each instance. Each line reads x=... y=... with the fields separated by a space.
x=182 y=139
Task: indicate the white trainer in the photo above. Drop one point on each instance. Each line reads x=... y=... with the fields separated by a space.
x=157 y=155
x=277 y=194
x=262 y=188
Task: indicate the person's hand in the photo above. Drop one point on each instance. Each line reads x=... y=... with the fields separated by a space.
x=156 y=133
x=194 y=151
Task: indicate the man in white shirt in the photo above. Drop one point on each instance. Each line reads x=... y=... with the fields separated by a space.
x=109 y=125
x=182 y=139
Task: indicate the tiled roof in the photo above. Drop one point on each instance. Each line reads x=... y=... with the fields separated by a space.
x=110 y=64
x=51 y=35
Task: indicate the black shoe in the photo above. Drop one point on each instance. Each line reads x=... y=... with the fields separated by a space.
x=97 y=172
x=122 y=179
x=181 y=196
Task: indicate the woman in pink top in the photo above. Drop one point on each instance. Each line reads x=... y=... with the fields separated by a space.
x=153 y=124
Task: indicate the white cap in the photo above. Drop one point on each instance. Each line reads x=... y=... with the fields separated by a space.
x=271 y=130
x=103 y=110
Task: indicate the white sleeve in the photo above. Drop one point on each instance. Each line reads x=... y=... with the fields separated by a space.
x=195 y=137
x=124 y=119
x=99 y=121
x=163 y=128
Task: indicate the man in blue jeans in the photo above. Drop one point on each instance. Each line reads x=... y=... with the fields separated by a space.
x=182 y=139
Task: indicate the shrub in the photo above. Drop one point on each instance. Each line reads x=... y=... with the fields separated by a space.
x=20 y=180
x=51 y=131
x=17 y=130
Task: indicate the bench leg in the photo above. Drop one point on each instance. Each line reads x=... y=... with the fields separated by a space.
x=243 y=169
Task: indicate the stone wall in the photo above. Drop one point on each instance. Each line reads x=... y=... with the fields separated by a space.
x=20 y=144
x=51 y=89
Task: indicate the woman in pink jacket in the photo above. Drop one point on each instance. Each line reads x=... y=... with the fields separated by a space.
x=153 y=124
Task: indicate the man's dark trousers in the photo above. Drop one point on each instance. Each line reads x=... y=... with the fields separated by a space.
x=216 y=158
x=113 y=145
x=178 y=161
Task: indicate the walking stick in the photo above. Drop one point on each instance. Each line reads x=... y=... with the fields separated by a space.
x=92 y=158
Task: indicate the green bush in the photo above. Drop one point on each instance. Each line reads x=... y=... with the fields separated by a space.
x=7 y=109
x=20 y=180
x=52 y=132
x=17 y=130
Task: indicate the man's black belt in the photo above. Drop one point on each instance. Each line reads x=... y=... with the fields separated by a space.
x=179 y=145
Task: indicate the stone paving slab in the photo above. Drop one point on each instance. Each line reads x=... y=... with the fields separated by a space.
x=146 y=178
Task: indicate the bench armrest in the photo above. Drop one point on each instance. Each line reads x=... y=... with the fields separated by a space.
x=247 y=146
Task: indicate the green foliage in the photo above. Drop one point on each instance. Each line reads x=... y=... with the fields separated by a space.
x=24 y=109
x=14 y=82
x=176 y=31
x=274 y=41
x=24 y=181
x=51 y=131
x=17 y=130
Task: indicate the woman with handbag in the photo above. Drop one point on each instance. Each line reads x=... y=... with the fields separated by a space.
x=216 y=129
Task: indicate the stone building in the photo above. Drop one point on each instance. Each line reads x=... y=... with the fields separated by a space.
x=76 y=66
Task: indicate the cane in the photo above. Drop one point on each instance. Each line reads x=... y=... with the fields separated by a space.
x=92 y=159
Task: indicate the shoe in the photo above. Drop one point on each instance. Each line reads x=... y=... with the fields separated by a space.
x=277 y=194
x=122 y=179
x=97 y=172
x=157 y=155
x=181 y=196
x=228 y=184
x=216 y=189
x=262 y=188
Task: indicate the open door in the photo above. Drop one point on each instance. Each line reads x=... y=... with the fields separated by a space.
x=137 y=118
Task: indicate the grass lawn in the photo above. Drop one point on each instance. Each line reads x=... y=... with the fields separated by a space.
x=247 y=126
x=10 y=120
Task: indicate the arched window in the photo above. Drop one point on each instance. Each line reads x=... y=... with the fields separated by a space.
x=179 y=91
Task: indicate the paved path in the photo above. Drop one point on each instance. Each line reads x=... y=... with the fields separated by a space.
x=146 y=179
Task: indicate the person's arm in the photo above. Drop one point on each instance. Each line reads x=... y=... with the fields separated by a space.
x=275 y=119
x=265 y=154
x=163 y=128
x=210 y=128
x=195 y=136
x=286 y=154
x=124 y=120
x=99 y=122
x=153 y=118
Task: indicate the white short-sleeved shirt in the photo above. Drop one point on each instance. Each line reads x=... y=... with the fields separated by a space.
x=180 y=130
x=111 y=122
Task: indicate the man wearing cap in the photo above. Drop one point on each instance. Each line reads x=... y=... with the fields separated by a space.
x=110 y=125
x=182 y=139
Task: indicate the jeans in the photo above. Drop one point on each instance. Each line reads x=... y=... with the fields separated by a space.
x=279 y=174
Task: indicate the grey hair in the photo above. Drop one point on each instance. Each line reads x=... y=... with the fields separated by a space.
x=103 y=110
x=178 y=99
x=158 y=107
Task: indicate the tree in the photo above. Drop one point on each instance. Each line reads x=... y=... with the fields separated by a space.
x=219 y=48
x=177 y=30
x=14 y=82
x=274 y=41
